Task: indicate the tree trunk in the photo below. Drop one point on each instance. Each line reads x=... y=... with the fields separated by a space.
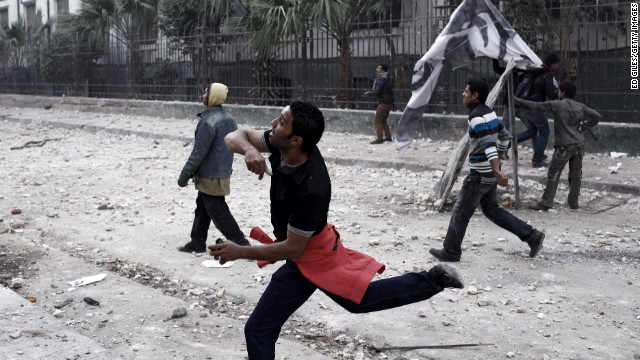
x=398 y=71
x=346 y=80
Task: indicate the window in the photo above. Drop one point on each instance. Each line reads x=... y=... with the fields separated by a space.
x=30 y=13
x=62 y=6
x=4 y=16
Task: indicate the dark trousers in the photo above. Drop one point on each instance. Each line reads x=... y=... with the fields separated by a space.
x=289 y=289
x=506 y=116
x=538 y=131
x=561 y=155
x=213 y=208
x=380 y=121
x=474 y=192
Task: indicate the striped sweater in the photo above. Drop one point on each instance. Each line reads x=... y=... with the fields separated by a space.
x=487 y=136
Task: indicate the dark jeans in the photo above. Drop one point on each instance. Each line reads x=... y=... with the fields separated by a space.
x=474 y=192
x=538 y=131
x=561 y=155
x=506 y=117
x=213 y=208
x=289 y=289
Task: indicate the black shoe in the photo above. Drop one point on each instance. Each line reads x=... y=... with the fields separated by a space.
x=544 y=157
x=443 y=255
x=539 y=206
x=539 y=164
x=446 y=276
x=536 y=244
x=388 y=139
x=574 y=207
x=377 y=141
x=189 y=249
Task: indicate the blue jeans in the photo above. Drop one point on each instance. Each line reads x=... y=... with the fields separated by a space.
x=505 y=116
x=474 y=192
x=538 y=131
x=289 y=289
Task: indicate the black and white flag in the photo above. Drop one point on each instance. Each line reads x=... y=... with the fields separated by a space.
x=476 y=29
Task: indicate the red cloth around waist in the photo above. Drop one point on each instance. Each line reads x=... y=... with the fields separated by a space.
x=332 y=267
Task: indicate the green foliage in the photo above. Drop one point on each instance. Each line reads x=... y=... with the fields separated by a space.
x=17 y=38
x=524 y=17
x=269 y=21
x=58 y=58
x=178 y=18
x=96 y=19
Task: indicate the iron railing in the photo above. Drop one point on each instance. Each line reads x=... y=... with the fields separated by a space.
x=595 y=50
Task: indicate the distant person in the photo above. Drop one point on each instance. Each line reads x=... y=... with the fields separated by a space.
x=315 y=257
x=210 y=165
x=543 y=88
x=571 y=119
x=535 y=85
x=522 y=86
x=488 y=140
x=384 y=93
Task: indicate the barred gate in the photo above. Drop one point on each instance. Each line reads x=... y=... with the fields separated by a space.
x=595 y=49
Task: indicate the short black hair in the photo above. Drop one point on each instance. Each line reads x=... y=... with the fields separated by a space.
x=569 y=89
x=479 y=86
x=551 y=59
x=308 y=123
x=384 y=67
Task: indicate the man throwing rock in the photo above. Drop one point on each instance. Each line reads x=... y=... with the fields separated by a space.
x=315 y=257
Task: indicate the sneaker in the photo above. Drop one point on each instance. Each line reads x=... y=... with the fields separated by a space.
x=539 y=164
x=377 y=141
x=536 y=244
x=189 y=249
x=388 y=139
x=539 y=206
x=574 y=207
x=446 y=276
x=443 y=255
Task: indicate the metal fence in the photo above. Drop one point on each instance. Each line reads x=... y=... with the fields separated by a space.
x=595 y=49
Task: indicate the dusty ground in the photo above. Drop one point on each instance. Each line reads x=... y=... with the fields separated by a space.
x=93 y=203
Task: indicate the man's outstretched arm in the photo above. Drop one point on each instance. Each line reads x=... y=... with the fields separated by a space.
x=291 y=248
x=249 y=144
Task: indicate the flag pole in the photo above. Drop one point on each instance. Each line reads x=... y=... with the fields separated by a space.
x=514 y=140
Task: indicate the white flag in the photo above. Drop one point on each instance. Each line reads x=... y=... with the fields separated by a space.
x=476 y=29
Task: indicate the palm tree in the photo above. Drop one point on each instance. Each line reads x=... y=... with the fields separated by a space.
x=380 y=9
x=269 y=22
x=98 y=20
x=339 y=18
x=272 y=21
x=19 y=43
x=193 y=27
x=20 y=37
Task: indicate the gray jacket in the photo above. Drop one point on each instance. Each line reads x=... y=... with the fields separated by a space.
x=571 y=119
x=210 y=157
